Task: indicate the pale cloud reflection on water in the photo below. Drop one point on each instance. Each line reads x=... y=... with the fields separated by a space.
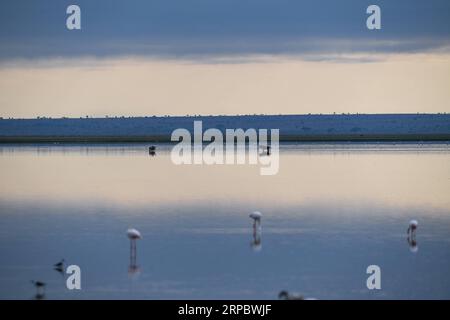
x=394 y=174
x=330 y=212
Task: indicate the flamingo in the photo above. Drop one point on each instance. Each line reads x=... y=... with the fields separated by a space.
x=59 y=264
x=284 y=295
x=256 y=243
x=133 y=235
x=412 y=226
x=412 y=236
x=256 y=216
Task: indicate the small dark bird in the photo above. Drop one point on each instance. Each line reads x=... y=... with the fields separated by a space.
x=152 y=151
x=40 y=287
x=59 y=264
x=265 y=150
x=38 y=284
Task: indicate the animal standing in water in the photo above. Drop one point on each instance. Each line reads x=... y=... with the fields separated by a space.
x=284 y=295
x=256 y=241
x=256 y=216
x=59 y=266
x=265 y=150
x=133 y=235
x=40 y=289
x=411 y=232
x=412 y=226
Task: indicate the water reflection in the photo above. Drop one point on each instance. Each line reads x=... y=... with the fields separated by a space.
x=123 y=175
x=256 y=241
x=39 y=296
x=412 y=244
x=328 y=214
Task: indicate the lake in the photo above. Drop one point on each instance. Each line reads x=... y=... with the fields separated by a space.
x=330 y=212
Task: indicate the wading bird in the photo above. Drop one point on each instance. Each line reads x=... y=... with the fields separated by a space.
x=265 y=150
x=256 y=241
x=59 y=266
x=284 y=295
x=412 y=226
x=256 y=216
x=133 y=235
x=412 y=236
x=40 y=289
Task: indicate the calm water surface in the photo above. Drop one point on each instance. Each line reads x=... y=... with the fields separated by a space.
x=332 y=210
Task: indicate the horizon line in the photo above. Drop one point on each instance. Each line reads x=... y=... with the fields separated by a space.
x=218 y=115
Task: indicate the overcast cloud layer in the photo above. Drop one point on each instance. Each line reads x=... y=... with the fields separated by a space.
x=205 y=28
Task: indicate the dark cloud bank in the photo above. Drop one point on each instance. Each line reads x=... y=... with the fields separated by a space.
x=204 y=28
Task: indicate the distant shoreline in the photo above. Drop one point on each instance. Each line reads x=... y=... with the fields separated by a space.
x=283 y=138
x=293 y=128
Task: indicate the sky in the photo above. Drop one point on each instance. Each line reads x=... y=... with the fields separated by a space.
x=181 y=57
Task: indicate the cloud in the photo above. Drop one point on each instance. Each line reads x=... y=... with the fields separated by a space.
x=397 y=83
x=204 y=29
